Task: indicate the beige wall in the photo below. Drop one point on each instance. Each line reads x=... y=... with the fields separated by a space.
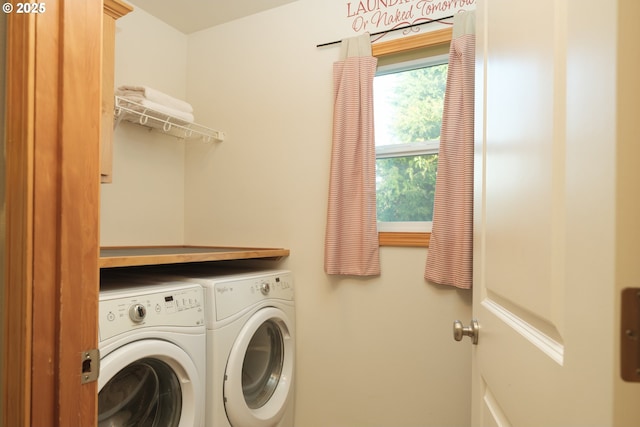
x=145 y=202
x=370 y=352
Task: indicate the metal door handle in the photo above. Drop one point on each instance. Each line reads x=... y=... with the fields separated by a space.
x=459 y=331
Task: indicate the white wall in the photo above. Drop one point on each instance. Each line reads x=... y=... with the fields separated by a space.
x=371 y=352
x=145 y=203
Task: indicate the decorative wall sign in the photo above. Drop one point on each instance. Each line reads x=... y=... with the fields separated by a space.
x=379 y=15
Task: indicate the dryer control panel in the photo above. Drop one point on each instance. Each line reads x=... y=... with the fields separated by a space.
x=232 y=296
x=123 y=312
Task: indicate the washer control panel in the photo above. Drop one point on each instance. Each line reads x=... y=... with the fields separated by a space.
x=125 y=311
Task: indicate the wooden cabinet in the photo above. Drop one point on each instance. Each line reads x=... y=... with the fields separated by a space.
x=50 y=301
x=113 y=10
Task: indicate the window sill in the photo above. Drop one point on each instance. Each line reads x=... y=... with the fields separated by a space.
x=404 y=239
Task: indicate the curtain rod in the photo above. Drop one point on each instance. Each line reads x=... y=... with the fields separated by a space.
x=393 y=29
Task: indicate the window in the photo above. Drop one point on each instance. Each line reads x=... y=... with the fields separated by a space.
x=408 y=102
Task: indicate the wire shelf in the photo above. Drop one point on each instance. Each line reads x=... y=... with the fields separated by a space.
x=134 y=112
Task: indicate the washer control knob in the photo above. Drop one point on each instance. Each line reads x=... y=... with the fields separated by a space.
x=265 y=288
x=137 y=312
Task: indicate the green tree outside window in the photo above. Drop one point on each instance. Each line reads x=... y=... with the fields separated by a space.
x=411 y=113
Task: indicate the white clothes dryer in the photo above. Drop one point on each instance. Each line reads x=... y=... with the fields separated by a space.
x=250 y=318
x=152 y=346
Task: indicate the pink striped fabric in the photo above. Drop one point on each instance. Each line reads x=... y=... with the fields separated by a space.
x=351 y=239
x=450 y=257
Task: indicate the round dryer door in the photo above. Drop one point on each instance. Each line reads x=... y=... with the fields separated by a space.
x=260 y=370
x=147 y=383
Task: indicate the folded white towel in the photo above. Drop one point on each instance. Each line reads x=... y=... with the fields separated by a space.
x=154 y=109
x=156 y=96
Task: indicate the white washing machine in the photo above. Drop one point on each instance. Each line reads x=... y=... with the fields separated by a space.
x=250 y=347
x=152 y=342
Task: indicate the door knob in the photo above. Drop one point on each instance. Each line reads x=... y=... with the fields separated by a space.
x=459 y=331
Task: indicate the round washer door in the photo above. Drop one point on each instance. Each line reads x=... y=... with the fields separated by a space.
x=148 y=383
x=260 y=370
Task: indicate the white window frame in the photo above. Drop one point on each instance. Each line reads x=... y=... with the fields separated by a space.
x=413 y=149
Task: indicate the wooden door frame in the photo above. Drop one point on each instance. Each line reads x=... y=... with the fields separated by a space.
x=52 y=207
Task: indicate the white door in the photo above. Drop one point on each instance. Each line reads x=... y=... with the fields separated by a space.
x=551 y=233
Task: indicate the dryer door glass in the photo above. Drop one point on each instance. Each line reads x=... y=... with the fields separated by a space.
x=144 y=393
x=262 y=365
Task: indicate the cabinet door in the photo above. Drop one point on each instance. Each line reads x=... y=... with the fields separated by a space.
x=51 y=298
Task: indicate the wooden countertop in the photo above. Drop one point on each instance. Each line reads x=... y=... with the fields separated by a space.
x=128 y=256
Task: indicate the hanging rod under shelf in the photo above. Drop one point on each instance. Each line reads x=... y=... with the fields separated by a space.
x=125 y=109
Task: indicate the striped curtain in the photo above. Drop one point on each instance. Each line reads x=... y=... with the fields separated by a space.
x=351 y=239
x=450 y=257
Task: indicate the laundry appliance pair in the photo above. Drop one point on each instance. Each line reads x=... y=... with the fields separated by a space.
x=249 y=322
